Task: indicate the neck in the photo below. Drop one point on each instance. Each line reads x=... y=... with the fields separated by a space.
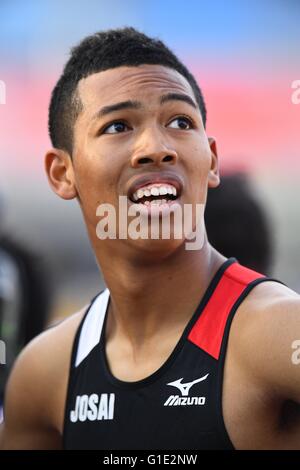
x=151 y=300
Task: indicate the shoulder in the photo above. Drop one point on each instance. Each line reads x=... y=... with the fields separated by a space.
x=268 y=309
x=48 y=352
x=264 y=333
x=35 y=393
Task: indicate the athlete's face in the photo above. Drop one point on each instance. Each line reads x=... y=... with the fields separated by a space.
x=112 y=148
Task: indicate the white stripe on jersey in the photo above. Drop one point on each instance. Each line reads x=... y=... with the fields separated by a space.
x=92 y=327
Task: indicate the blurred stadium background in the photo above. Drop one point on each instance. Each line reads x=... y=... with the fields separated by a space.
x=245 y=56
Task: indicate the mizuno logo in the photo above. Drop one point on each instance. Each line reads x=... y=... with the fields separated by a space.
x=176 y=400
x=185 y=388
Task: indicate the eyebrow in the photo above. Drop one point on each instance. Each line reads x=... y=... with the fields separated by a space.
x=133 y=104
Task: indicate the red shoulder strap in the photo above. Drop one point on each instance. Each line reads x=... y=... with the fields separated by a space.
x=207 y=333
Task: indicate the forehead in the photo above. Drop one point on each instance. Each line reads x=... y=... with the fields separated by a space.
x=145 y=81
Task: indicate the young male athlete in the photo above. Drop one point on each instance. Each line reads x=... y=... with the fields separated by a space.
x=185 y=349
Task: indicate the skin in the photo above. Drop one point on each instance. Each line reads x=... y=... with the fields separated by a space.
x=155 y=285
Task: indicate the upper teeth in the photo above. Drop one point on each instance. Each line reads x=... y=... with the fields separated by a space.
x=154 y=190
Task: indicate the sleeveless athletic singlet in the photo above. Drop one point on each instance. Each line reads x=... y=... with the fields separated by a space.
x=179 y=406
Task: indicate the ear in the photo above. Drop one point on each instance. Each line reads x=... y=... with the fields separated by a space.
x=60 y=172
x=213 y=176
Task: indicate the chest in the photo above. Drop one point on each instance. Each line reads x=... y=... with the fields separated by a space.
x=172 y=403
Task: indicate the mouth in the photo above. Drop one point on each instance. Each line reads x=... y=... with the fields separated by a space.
x=155 y=190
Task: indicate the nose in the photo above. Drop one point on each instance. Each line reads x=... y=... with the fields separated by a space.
x=151 y=150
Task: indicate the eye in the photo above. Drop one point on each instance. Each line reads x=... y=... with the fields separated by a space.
x=182 y=123
x=117 y=126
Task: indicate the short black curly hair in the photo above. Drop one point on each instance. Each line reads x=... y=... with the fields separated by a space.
x=102 y=51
